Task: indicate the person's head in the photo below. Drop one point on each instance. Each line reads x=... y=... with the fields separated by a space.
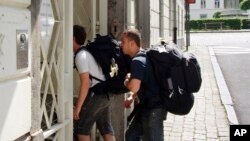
x=79 y=35
x=131 y=42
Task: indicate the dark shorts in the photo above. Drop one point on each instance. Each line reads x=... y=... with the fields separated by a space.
x=96 y=108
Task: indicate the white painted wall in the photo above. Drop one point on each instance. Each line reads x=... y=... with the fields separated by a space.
x=12 y=20
x=15 y=80
x=168 y=21
x=15 y=109
x=16 y=3
x=154 y=21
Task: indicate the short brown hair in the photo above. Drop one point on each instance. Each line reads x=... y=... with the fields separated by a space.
x=80 y=34
x=133 y=34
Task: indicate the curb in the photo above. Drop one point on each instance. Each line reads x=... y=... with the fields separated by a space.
x=223 y=89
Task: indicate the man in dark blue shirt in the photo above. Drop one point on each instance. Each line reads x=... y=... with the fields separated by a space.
x=147 y=123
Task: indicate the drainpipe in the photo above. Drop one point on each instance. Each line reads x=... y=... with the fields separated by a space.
x=175 y=23
x=161 y=18
x=187 y=17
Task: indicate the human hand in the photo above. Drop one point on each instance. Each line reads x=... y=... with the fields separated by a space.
x=127 y=79
x=128 y=102
x=76 y=112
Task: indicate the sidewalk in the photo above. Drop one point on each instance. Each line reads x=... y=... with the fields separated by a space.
x=208 y=120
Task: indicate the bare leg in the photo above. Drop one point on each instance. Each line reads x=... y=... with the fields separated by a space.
x=83 y=138
x=108 y=137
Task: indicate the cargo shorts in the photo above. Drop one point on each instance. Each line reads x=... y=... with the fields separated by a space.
x=96 y=108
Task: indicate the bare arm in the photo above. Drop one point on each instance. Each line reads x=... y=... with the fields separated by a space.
x=133 y=85
x=84 y=88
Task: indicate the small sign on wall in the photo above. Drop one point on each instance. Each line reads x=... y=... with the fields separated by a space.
x=22 y=49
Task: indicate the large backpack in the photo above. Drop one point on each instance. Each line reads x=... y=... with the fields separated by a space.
x=114 y=64
x=178 y=76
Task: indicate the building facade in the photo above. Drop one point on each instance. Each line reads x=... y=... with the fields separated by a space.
x=205 y=9
x=166 y=20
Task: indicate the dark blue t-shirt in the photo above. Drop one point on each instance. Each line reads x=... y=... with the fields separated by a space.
x=148 y=93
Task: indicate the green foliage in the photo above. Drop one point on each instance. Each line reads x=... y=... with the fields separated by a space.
x=245 y=4
x=215 y=24
x=233 y=23
x=216 y=15
x=245 y=23
x=196 y=24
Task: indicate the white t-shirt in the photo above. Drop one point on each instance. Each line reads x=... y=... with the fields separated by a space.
x=85 y=62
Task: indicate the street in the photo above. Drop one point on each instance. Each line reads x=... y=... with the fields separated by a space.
x=232 y=51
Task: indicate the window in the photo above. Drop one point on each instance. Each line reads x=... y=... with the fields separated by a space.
x=203 y=16
x=203 y=3
x=217 y=3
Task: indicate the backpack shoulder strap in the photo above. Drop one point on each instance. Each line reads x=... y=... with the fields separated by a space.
x=93 y=77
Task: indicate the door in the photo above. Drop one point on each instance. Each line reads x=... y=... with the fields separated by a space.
x=92 y=15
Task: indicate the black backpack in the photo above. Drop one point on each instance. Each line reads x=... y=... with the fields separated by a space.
x=108 y=55
x=178 y=76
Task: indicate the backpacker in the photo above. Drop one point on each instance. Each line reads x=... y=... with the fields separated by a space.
x=113 y=62
x=178 y=76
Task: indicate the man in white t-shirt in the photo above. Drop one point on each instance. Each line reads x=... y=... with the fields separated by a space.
x=89 y=107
